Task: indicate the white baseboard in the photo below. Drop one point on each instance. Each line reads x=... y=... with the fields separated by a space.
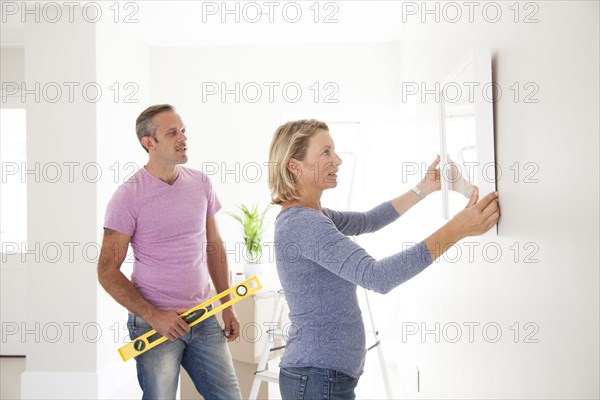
x=59 y=385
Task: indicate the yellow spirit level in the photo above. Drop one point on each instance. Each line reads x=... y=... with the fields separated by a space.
x=192 y=316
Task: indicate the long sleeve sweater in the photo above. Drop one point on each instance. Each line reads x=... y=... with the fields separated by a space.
x=320 y=267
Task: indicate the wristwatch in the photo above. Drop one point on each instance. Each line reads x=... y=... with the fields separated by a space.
x=418 y=192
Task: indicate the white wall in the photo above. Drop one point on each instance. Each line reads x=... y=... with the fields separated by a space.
x=67 y=326
x=61 y=287
x=232 y=134
x=538 y=220
x=13 y=272
x=558 y=216
x=123 y=64
x=11 y=61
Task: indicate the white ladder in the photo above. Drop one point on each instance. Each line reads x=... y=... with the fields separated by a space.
x=262 y=374
x=377 y=344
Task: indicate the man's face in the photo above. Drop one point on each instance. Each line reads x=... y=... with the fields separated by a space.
x=170 y=146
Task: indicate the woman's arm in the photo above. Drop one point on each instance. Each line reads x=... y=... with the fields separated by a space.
x=309 y=237
x=429 y=184
x=476 y=219
x=312 y=236
x=356 y=223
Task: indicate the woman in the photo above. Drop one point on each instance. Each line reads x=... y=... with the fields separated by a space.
x=320 y=267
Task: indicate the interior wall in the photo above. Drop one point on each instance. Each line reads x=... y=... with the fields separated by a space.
x=62 y=320
x=123 y=66
x=13 y=276
x=13 y=271
x=516 y=290
x=538 y=279
x=229 y=137
x=547 y=274
x=12 y=67
x=61 y=283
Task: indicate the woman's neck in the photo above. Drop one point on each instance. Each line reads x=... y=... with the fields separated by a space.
x=308 y=200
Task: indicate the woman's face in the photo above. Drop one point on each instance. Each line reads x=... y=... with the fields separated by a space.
x=318 y=170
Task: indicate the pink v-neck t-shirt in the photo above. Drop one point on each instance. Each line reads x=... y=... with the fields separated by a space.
x=167 y=225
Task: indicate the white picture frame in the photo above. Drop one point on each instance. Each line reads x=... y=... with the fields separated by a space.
x=467 y=129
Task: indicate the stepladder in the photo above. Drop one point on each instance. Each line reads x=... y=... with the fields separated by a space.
x=275 y=335
x=276 y=343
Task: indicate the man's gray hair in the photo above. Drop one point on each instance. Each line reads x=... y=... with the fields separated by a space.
x=145 y=126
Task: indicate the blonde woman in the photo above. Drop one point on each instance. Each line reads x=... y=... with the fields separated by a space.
x=320 y=267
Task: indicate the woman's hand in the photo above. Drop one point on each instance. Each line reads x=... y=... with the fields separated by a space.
x=477 y=217
x=431 y=182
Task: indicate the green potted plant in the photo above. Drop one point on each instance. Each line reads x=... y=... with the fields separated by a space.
x=252 y=230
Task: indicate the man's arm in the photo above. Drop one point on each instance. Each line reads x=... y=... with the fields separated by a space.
x=112 y=255
x=219 y=273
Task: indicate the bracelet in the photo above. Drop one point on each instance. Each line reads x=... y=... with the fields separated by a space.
x=418 y=192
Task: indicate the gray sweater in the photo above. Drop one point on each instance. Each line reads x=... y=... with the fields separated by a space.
x=320 y=268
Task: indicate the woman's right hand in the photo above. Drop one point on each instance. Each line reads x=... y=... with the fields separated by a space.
x=478 y=216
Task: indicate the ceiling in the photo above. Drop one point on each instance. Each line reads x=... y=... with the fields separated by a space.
x=199 y=23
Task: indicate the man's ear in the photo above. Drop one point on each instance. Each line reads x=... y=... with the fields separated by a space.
x=147 y=142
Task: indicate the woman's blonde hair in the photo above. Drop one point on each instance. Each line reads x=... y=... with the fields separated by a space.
x=289 y=141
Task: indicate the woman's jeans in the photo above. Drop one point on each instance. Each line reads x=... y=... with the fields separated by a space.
x=315 y=383
x=203 y=353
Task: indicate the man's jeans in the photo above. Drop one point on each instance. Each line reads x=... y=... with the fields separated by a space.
x=204 y=354
x=315 y=383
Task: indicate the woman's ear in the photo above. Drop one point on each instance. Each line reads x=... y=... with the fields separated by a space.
x=294 y=167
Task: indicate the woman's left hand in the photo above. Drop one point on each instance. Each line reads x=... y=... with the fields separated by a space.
x=431 y=182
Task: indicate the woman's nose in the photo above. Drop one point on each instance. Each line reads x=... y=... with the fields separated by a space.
x=339 y=159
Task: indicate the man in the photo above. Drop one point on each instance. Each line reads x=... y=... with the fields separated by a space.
x=166 y=212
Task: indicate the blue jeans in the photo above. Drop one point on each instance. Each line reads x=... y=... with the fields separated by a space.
x=204 y=354
x=315 y=383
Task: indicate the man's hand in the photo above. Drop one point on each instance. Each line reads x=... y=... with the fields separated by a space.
x=232 y=325
x=217 y=268
x=168 y=324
